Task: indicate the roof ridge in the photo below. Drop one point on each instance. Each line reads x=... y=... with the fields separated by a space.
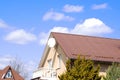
x=100 y=37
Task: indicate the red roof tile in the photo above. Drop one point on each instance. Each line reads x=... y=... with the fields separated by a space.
x=3 y=72
x=95 y=48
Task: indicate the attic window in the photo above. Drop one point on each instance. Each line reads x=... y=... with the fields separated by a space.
x=8 y=74
x=50 y=63
x=59 y=61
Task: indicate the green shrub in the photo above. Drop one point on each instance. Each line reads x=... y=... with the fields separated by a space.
x=81 y=69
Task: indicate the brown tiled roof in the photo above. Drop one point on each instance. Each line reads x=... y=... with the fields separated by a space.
x=95 y=48
x=15 y=75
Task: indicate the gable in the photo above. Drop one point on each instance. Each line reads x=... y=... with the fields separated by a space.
x=49 y=58
x=8 y=74
x=52 y=57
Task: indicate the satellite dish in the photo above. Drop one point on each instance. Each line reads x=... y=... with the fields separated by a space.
x=51 y=42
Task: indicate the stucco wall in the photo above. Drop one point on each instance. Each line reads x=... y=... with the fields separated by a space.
x=53 y=54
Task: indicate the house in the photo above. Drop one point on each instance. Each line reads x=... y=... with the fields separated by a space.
x=62 y=46
x=9 y=74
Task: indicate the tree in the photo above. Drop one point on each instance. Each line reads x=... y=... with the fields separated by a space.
x=81 y=69
x=19 y=67
x=113 y=72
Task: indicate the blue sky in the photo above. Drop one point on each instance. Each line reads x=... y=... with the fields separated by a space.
x=25 y=24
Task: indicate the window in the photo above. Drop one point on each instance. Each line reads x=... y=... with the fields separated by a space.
x=59 y=61
x=9 y=74
x=50 y=63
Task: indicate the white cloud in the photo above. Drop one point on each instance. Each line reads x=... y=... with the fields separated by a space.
x=100 y=6
x=20 y=37
x=3 y=24
x=44 y=36
x=59 y=29
x=51 y=15
x=91 y=26
x=73 y=8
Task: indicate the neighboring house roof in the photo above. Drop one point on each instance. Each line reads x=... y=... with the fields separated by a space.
x=15 y=75
x=95 y=48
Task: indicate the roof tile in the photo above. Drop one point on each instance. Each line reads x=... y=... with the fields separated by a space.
x=96 y=48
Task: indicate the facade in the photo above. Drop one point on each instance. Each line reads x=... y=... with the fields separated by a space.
x=9 y=74
x=61 y=47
